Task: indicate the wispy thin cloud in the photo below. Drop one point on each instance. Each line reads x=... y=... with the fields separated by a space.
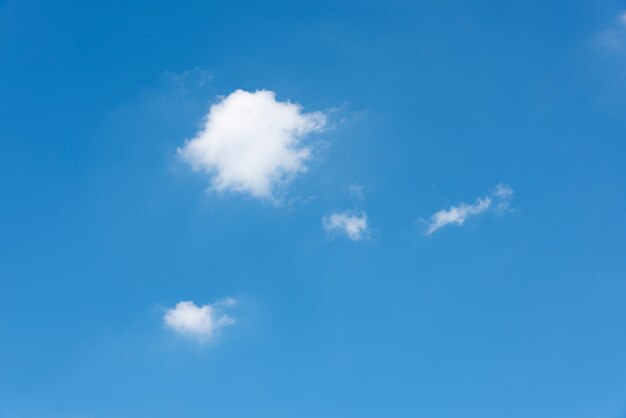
x=499 y=199
x=614 y=36
x=502 y=195
x=194 y=78
x=356 y=191
x=348 y=223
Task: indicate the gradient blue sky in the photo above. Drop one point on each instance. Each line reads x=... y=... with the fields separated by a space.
x=520 y=313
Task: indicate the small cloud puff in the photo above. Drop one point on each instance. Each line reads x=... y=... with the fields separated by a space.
x=499 y=200
x=251 y=143
x=201 y=323
x=349 y=223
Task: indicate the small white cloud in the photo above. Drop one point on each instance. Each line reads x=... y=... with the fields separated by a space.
x=499 y=199
x=351 y=224
x=199 y=322
x=251 y=143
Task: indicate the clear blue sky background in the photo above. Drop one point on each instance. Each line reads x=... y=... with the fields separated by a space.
x=521 y=314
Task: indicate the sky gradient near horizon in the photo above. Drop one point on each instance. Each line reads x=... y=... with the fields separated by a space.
x=312 y=209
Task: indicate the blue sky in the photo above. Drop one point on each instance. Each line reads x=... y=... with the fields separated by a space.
x=392 y=209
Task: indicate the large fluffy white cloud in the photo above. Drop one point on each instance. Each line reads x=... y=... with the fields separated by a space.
x=499 y=199
x=252 y=143
x=199 y=322
x=349 y=223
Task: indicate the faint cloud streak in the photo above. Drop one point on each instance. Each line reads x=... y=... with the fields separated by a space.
x=349 y=223
x=499 y=199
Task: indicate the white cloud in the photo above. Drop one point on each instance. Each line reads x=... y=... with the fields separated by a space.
x=251 y=143
x=457 y=214
x=199 y=322
x=351 y=224
x=499 y=199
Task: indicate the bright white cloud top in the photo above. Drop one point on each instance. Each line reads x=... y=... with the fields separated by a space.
x=348 y=223
x=499 y=200
x=251 y=143
x=199 y=322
